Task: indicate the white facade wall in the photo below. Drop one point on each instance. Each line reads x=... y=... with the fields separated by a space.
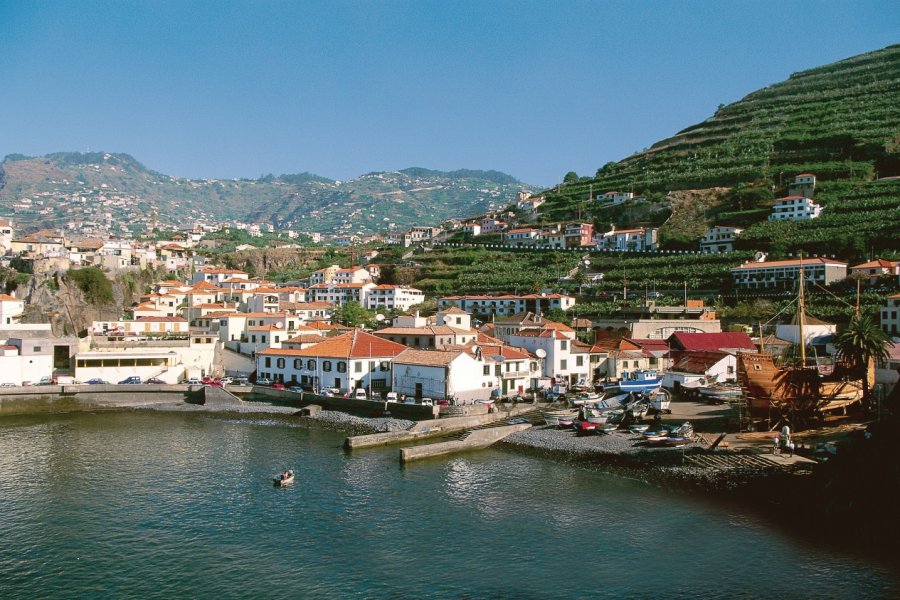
x=327 y=372
x=18 y=369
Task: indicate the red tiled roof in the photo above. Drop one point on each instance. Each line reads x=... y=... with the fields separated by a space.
x=353 y=344
x=879 y=262
x=710 y=341
x=697 y=362
x=788 y=263
x=161 y=320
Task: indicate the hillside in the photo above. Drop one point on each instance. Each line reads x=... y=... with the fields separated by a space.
x=840 y=121
x=114 y=193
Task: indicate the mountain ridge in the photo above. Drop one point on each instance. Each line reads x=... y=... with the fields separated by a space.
x=302 y=201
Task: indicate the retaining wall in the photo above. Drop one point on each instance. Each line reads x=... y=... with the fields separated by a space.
x=68 y=398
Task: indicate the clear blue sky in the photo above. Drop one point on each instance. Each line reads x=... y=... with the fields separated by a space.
x=535 y=89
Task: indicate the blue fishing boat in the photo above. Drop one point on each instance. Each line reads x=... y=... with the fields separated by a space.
x=644 y=380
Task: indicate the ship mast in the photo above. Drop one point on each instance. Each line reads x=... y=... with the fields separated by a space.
x=801 y=307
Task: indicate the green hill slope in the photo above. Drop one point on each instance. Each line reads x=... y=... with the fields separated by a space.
x=840 y=121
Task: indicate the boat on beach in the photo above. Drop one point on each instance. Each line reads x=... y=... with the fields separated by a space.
x=660 y=400
x=802 y=391
x=284 y=479
x=643 y=380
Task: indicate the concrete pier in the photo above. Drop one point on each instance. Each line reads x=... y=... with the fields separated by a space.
x=475 y=440
x=433 y=428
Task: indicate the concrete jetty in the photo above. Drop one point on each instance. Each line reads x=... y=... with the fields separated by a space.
x=433 y=428
x=474 y=440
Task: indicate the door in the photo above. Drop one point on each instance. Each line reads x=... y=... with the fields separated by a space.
x=418 y=391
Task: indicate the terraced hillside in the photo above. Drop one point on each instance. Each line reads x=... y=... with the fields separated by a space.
x=840 y=121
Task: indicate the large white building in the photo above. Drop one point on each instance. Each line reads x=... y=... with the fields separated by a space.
x=795 y=208
x=397 y=297
x=508 y=304
x=785 y=273
x=11 y=309
x=353 y=360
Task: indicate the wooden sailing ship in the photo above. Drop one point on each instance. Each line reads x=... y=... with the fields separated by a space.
x=784 y=392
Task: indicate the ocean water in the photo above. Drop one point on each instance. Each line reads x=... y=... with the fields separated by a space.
x=181 y=505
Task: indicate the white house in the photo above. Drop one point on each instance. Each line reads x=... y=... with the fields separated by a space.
x=691 y=367
x=719 y=239
x=11 y=309
x=217 y=276
x=628 y=240
x=353 y=360
x=795 y=208
x=443 y=375
x=615 y=197
x=21 y=361
x=890 y=316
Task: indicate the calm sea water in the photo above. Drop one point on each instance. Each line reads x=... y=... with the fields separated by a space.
x=155 y=505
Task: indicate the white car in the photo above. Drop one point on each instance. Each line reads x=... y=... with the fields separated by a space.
x=227 y=381
x=360 y=394
x=392 y=397
x=193 y=381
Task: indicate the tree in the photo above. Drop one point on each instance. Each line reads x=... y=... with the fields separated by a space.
x=859 y=343
x=571 y=177
x=352 y=314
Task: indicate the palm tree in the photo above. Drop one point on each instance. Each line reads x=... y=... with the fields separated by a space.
x=861 y=342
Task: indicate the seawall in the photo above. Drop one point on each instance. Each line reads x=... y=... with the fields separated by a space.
x=69 y=398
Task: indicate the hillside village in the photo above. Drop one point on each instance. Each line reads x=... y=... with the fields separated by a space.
x=204 y=321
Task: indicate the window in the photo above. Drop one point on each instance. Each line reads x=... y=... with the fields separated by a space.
x=342 y=367
x=279 y=363
x=563 y=365
x=563 y=344
x=487 y=370
x=268 y=362
x=326 y=365
x=298 y=363
x=311 y=365
x=385 y=366
x=37 y=348
x=579 y=361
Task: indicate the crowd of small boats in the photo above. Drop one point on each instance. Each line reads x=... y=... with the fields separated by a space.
x=593 y=413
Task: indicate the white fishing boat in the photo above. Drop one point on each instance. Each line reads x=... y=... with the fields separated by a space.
x=660 y=400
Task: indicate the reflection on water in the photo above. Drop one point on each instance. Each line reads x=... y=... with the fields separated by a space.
x=161 y=505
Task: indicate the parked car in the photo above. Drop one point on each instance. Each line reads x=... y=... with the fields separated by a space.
x=155 y=381
x=278 y=386
x=360 y=394
x=193 y=381
x=45 y=381
x=427 y=402
x=296 y=389
x=97 y=381
x=240 y=381
x=213 y=381
x=227 y=381
x=8 y=384
x=330 y=392
x=263 y=381
x=392 y=397
x=134 y=379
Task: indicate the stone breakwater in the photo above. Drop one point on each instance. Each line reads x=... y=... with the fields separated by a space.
x=324 y=419
x=626 y=454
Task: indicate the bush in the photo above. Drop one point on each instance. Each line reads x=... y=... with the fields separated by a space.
x=93 y=283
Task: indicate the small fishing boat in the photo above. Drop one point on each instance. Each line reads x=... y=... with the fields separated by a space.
x=638 y=427
x=660 y=400
x=284 y=479
x=616 y=400
x=638 y=408
x=718 y=393
x=608 y=427
x=552 y=417
x=566 y=422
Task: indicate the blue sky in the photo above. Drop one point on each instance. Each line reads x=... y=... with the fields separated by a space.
x=535 y=89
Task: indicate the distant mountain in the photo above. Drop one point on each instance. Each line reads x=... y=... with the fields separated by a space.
x=117 y=194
